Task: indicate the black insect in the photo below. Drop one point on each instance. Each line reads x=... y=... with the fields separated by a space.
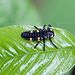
x=39 y=34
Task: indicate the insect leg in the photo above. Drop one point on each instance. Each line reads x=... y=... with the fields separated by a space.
x=49 y=26
x=36 y=44
x=52 y=43
x=44 y=26
x=43 y=44
x=36 y=27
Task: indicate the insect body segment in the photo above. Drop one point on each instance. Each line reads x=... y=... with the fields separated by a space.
x=33 y=35
x=39 y=35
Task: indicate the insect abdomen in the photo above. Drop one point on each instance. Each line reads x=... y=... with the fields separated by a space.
x=35 y=35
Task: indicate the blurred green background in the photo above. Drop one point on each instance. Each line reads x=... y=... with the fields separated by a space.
x=58 y=13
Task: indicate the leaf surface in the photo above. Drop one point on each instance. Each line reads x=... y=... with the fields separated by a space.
x=18 y=56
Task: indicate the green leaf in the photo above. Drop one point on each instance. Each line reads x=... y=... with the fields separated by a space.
x=71 y=71
x=18 y=56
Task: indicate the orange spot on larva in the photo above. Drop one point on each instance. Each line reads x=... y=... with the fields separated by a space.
x=37 y=31
x=31 y=31
x=48 y=36
x=30 y=39
x=38 y=38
